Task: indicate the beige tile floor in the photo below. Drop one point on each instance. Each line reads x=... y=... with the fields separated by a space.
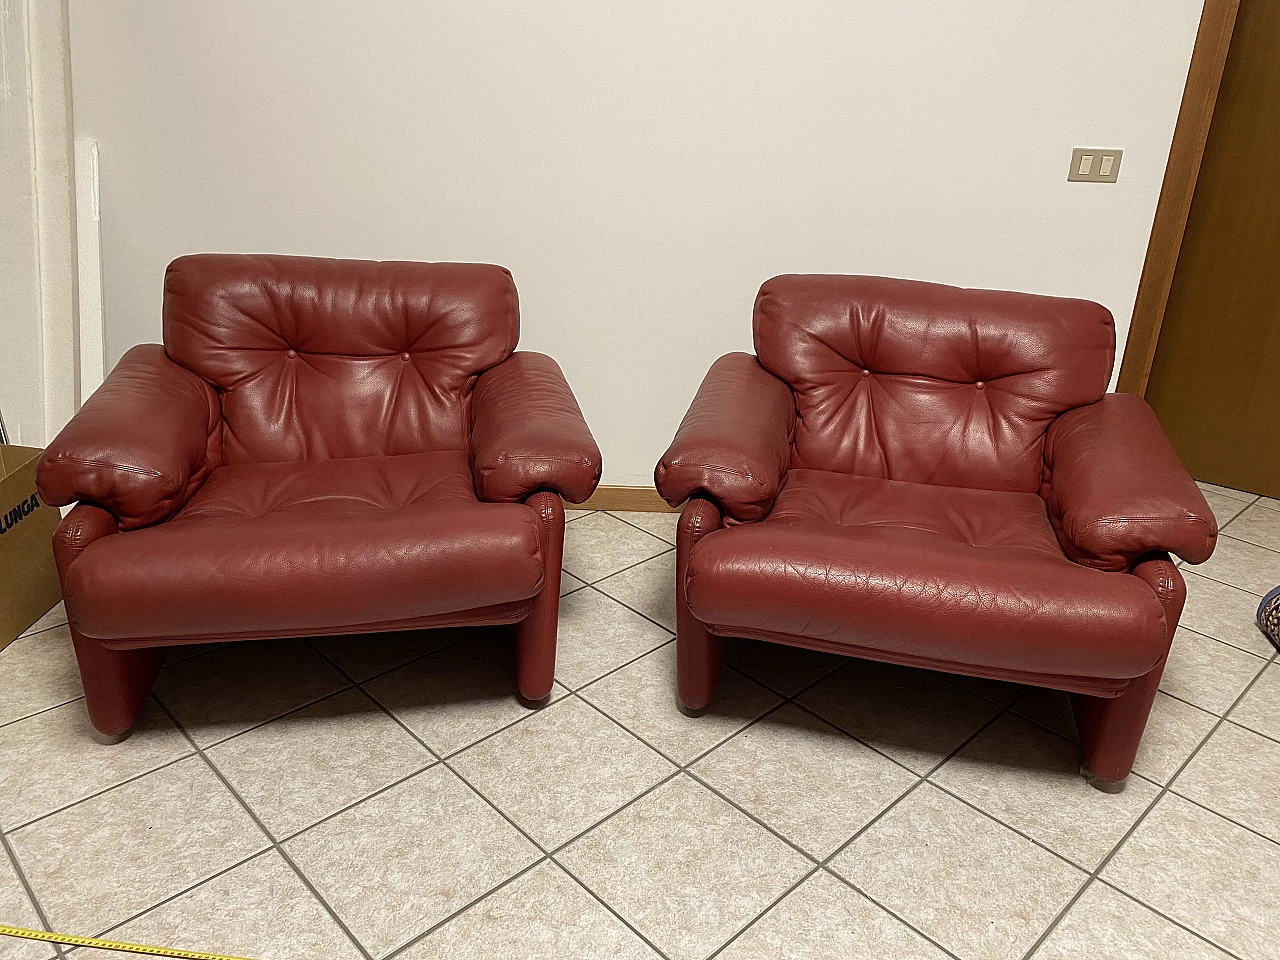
x=375 y=797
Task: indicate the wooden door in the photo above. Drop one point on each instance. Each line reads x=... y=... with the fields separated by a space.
x=1215 y=380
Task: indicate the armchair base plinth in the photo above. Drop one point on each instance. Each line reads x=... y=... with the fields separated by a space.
x=699 y=652
x=536 y=633
x=699 y=658
x=116 y=684
x=1111 y=728
x=1098 y=783
x=689 y=712
x=109 y=740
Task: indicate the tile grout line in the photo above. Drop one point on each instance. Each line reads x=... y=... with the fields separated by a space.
x=286 y=838
x=640 y=528
x=181 y=893
x=417 y=938
x=811 y=870
x=9 y=831
x=923 y=778
x=960 y=798
x=41 y=711
x=30 y=891
x=1195 y=706
x=1265 y=736
x=1164 y=789
x=1222 y=533
x=268 y=835
x=544 y=854
x=1217 y=813
x=666 y=549
x=624 y=604
x=680 y=768
x=213 y=647
x=392 y=669
x=1228 y=643
x=910 y=926
x=1177 y=923
x=1224 y=583
x=36 y=633
x=685 y=769
x=824 y=865
x=622 y=666
x=600 y=900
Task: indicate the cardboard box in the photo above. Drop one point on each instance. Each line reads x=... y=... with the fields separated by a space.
x=28 y=578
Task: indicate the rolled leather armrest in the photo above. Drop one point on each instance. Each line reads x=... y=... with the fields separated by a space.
x=1116 y=490
x=528 y=433
x=734 y=444
x=140 y=446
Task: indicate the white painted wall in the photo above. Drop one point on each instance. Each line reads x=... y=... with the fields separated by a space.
x=39 y=375
x=19 y=256
x=641 y=166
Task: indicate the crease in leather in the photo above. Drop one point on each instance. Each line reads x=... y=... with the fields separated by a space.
x=334 y=462
x=140 y=446
x=734 y=443
x=233 y=319
x=926 y=347
x=918 y=514
x=110 y=465
x=293 y=548
x=1116 y=489
x=528 y=433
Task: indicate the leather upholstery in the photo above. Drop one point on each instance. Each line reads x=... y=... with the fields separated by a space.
x=929 y=383
x=528 y=433
x=318 y=359
x=734 y=443
x=116 y=684
x=298 y=459
x=376 y=539
x=933 y=476
x=1116 y=489
x=939 y=572
x=140 y=446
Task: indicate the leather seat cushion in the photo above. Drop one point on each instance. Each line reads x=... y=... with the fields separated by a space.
x=955 y=575
x=310 y=546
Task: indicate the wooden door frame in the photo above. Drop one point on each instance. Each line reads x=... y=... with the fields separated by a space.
x=1213 y=40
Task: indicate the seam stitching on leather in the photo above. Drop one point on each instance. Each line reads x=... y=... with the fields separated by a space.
x=717 y=467
x=1198 y=520
x=582 y=460
x=123 y=467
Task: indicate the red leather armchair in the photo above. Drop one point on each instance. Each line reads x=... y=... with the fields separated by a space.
x=933 y=476
x=320 y=447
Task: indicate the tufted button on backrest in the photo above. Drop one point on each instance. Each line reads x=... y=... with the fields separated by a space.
x=929 y=383
x=315 y=359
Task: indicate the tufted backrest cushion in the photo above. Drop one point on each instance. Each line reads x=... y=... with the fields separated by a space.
x=929 y=383
x=316 y=359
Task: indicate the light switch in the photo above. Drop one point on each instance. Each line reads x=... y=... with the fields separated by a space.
x=1094 y=165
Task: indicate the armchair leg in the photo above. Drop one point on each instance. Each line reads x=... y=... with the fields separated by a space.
x=699 y=653
x=116 y=684
x=1111 y=730
x=536 y=633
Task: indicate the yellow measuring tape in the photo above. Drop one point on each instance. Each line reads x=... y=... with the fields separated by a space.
x=142 y=948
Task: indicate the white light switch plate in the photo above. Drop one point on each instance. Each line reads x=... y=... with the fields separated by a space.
x=1102 y=166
